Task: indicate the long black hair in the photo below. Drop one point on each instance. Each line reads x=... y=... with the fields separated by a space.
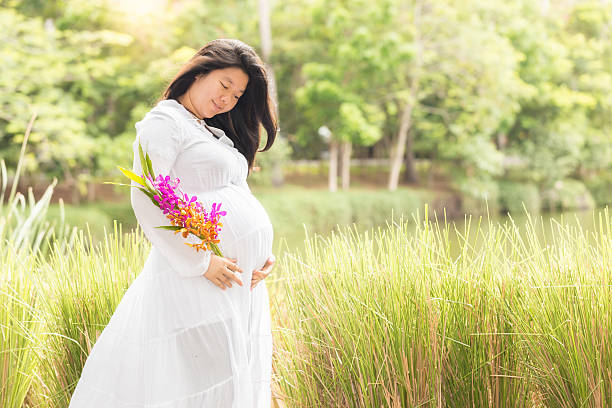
x=254 y=108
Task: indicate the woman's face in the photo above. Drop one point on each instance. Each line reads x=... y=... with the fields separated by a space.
x=217 y=92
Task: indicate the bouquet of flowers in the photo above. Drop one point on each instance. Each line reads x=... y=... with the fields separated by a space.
x=185 y=213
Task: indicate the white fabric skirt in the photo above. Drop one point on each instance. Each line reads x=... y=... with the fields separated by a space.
x=183 y=342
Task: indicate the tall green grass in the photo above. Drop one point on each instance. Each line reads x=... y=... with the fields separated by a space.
x=19 y=328
x=392 y=318
x=81 y=290
x=24 y=237
x=53 y=309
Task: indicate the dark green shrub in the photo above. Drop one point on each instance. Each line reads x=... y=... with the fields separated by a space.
x=601 y=188
x=513 y=195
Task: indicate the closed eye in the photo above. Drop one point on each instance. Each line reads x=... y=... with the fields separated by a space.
x=225 y=87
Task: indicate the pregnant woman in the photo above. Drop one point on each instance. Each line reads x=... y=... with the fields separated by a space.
x=193 y=329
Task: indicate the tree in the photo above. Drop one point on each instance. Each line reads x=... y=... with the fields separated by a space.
x=449 y=97
x=63 y=76
x=566 y=110
x=338 y=92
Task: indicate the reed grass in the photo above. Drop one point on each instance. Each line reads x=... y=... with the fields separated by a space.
x=394 y=318
x=25 y=235
x=19 y=328
x=81 y=289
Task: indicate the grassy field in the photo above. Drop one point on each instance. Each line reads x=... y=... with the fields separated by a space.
x=391 y=318
x=415 y=313
x=387 y=317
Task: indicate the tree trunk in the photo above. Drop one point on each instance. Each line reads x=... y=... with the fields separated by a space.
x=265 y=33
x=397 y=154
x=333 y=165
x=347 y=148
x=410 y=175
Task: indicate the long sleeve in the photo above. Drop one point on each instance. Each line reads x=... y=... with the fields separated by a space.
x=160 y=137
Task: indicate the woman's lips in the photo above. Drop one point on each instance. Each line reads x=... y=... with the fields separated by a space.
x=216 y=106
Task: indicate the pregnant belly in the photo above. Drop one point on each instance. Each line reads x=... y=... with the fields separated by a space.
x=247 y=230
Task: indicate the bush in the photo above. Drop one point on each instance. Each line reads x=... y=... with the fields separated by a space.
x=513 y=195
x=369 y=210
x=479 y=197
x=601 y=188
x=265 y=161
x=567 y=194
x=120 y=211
x=322 y=210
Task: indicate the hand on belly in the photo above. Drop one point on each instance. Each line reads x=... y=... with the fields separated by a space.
x=260 y=274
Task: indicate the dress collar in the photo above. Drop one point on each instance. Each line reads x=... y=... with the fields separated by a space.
x=219 y=134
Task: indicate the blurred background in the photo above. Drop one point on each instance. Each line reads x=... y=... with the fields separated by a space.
x=469 y=106
x=390 y=108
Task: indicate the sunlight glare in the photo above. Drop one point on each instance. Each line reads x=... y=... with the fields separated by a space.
x=139 y=8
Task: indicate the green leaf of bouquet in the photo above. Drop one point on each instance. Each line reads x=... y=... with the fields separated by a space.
x=118 y=184
x=143 y=161
x=149 y=185
x=216 y=250
x=150 y=166
x=150 y=195
x=132 y=176
x=170 y=227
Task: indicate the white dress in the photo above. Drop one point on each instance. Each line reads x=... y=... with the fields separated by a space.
x=176 y=339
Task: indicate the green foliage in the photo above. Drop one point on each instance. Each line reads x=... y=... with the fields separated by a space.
x=337 y=89
x=467 y=87
x=321 y=210
x=600 y=187
x=516 y=197
x=567 y=194
x=24 y=225
x=562 y=125
x=479 y=197
x=485 y=80
x=64 y=76
x=276 y=156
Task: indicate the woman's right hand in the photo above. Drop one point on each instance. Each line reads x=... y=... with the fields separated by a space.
x=221 y=271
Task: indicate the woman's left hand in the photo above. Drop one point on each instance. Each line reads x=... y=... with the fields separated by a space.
x=259 y=274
